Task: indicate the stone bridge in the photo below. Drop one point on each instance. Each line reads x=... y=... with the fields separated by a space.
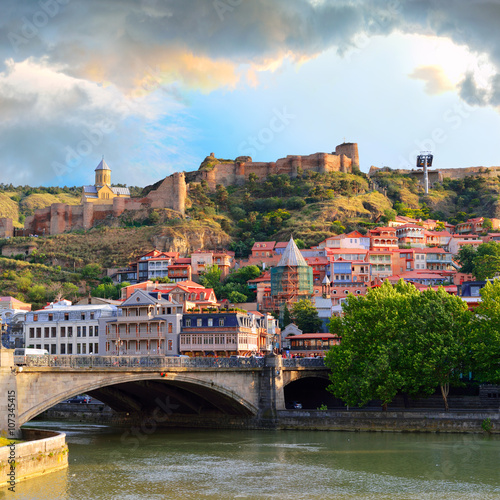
x=248 y=390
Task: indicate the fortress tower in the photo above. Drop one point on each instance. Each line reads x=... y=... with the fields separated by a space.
x=350 y=149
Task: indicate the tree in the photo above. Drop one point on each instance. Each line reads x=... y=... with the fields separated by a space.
x=37 y=293
x=287 y=319
x=305 y=316
x=434 y=342
x=70 y=291
x=399 y=339
x=211 y=277
x=483 y=262
x=485 y=342
x=237 y=297
x=363 y=367
x=91 y=272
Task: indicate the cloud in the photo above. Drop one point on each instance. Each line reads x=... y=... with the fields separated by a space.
x=69 y=66
x=436 y=81
x=55 y=125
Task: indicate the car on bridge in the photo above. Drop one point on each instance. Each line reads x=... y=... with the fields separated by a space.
x=79 y=400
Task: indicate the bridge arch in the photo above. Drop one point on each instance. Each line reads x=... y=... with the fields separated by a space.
x=309 y=388
x=131 y=392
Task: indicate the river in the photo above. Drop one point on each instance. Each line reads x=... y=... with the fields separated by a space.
x=110 y=463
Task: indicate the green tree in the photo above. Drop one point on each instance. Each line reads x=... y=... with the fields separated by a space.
x=237 y=297
x=91 y=272
x=106 y=291
x=305 y=316
x=398 y=339
x=434 y=342
x=287 y=318
x=485 y=344
x=37 y=294
x=70 y=291
x=483 y=262
x=211 y=277
x=363 y=367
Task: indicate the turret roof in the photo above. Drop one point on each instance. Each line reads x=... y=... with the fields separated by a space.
x=291 y=256
x=103 y=165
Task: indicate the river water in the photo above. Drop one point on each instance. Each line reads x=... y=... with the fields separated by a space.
x=111 y=463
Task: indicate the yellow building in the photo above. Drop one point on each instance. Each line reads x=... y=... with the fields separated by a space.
x=102 y=191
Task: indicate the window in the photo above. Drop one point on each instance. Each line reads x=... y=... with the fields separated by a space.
x=53 y=349
x=63 y=331
x=96 y=348
x=170 y=328
x=66 y=316
x=198 y=322
x=188 y=322
x=78 y=332
x=170 y=345
x=39 y=333
x=210 y=322
x=84 y=348
x=53 y=332
x=63 y=348
x=96 y=332
x=92 y=315
x=51 y=317
x=82 y=316
x=35 y=317
x=70 y=348
x=221 y=321
x=46 y=332
x=84 y=331
x=78 y=348
x=91 y=331
x=32 y=333
x=70 y=331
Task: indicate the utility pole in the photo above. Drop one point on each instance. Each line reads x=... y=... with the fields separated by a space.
x=424 y=160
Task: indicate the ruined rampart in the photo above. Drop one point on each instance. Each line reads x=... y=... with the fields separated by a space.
x=227 y=173
x=59 y=217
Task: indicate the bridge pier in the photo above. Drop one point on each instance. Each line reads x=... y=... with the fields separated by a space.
x=271 y=394
x=9 y=421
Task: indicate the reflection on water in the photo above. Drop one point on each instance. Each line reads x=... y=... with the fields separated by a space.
x=110 y=463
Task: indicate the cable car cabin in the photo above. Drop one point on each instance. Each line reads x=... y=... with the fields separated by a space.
x=311 y=344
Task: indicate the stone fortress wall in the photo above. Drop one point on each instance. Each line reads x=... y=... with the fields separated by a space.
x=172 y=191
x=344 y=159
x=59 y=217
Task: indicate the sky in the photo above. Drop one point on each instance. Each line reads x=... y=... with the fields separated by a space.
x=155 y=86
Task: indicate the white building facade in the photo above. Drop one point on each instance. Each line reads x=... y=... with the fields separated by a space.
x=67 y=329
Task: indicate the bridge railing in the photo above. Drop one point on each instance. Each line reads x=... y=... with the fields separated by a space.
x=303 y=362
x=82 y=361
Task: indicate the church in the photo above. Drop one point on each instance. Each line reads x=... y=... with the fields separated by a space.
x=102 y=192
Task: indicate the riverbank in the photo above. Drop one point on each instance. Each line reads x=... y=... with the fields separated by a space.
x=369 y=420
x=466 y=421
x=41 y=452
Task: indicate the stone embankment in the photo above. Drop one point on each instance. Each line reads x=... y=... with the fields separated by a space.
x=391 y=421
x=42 y=452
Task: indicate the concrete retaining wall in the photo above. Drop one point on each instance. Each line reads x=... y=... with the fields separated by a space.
x=44 y=452
x=389 y=421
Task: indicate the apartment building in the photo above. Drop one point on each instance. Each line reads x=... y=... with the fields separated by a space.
x=66 y=329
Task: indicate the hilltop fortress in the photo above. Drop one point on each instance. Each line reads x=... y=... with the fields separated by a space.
x=231 y=173
x=102 y=201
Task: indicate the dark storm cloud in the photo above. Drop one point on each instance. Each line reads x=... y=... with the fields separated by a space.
x=142 y=44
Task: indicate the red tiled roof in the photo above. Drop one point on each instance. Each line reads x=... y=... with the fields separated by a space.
x=263 y=245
